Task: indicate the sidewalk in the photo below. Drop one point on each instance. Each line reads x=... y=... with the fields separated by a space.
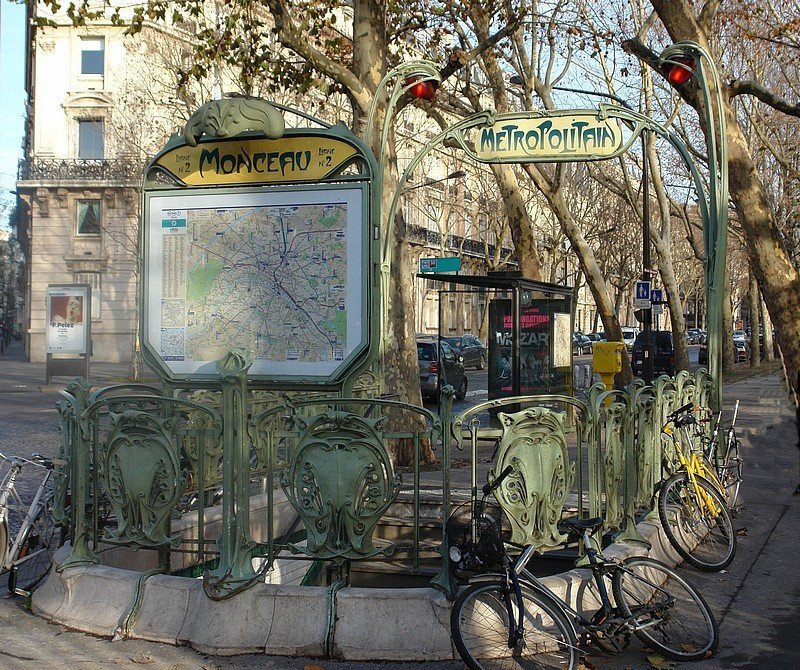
x=19 y=376
x=756 y=601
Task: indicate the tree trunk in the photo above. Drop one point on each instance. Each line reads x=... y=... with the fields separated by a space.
x=519 y=218
x=769 y=345
x=727 y=331
x=755 y=300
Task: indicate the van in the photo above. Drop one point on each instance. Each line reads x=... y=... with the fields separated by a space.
x=663 y=353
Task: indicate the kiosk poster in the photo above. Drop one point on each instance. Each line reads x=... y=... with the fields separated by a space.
x=538 y=371
x=67 y=319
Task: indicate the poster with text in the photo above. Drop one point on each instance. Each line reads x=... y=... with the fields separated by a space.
x=67 y=319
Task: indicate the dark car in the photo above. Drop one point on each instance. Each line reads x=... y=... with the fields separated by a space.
x=581 y=344
x=663 y=353
x=470 y=348
x=439 y=366
x=741 y=352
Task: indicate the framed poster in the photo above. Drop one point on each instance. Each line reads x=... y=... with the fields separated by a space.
x=562 y=340
x=279 y=272
x=68 y=317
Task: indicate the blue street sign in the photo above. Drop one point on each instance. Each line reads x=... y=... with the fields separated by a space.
x=657 y=295
x=642 y=295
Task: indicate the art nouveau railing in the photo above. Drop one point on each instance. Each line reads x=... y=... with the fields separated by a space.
x=140 y=466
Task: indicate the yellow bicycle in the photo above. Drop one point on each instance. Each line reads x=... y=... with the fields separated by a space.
x=691 y=503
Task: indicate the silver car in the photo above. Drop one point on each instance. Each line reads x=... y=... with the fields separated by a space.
x=439 y=368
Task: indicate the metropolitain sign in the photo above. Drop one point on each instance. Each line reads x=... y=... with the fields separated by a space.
x=582 y=136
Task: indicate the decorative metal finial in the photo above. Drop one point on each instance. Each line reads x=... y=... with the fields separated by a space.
x=232 y=116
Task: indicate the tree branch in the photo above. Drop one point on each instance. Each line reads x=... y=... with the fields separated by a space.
x=750 y=87
x=296 y=40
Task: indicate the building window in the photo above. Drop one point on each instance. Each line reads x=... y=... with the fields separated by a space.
x=94 y=279
x=92 y=55
x=90 y=138
x=88 y=217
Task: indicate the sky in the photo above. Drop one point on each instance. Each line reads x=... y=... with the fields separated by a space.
x=12 y=99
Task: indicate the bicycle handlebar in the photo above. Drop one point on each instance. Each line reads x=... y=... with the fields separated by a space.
x=488 y=488
x=681 y=410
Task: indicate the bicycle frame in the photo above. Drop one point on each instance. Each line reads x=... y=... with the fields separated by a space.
x=9 y=496
x=695 y=466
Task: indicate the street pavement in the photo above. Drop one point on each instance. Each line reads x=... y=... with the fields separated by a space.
x=756 y=600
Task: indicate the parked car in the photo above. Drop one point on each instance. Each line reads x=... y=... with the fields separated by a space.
x=694 y=335
x=663 y=353
x=471 y=349
x=439 y=366
x=628 y=337
x=741 y=351
x=581 y=344
x=597 y=337
x=740 y=335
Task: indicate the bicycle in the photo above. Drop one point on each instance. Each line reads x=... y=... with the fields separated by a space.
x=692 y=503
x=729 y=464
x=511 y=619
x=28 y=556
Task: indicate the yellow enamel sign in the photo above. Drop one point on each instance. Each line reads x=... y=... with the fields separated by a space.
x=574 y=137
x=249 y=161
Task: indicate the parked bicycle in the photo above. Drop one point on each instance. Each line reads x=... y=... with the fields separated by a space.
x=692 y=503
x=28 y=534
x=728 y=460
x=511 y=619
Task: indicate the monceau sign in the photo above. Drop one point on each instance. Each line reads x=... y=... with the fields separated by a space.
x=526 y=138
x=256 y=161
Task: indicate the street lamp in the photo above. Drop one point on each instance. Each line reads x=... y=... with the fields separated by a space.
x=429 y=182
x=681 y=62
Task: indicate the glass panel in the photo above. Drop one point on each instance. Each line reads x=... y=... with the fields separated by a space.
x=92 y=53
x=90 y=138
x=88 y=217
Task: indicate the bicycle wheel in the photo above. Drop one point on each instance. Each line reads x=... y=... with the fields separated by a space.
x=669 y=614
x=479 y=624
x=36 y=552
x=697 y=522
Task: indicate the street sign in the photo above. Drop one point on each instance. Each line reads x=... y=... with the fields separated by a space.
x=439 y=265
x=657 y=300
x=642 y=295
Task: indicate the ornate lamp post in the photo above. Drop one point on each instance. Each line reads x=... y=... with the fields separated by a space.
x=682 y=62
x=420 y=79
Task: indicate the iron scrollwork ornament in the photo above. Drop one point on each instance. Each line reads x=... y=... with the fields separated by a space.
x=533 y=495
x=341 y=482
x=143 y=478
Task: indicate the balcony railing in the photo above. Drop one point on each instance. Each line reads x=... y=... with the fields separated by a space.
x=433 y=238
x=124 y=168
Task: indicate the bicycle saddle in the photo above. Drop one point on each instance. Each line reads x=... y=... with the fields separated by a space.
x=579 y=525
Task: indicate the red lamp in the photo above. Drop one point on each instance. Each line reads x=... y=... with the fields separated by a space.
x=681 y=71
x=421 y=89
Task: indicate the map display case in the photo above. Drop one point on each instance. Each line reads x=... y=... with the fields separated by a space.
x=262 y=246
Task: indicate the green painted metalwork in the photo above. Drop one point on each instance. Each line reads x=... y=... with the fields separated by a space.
x=445 y=581
x=533 y=495
x=142 y=476
x=232 y=116
x=77 y=395
x=341 y=481
x=235 y=570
